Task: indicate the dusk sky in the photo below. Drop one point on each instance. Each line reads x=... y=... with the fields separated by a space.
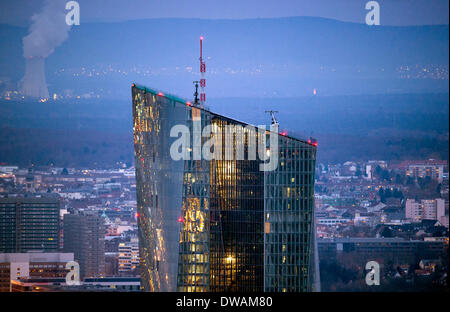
x=393 y=12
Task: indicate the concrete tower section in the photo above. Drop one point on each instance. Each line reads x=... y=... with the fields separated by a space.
x=33 y=83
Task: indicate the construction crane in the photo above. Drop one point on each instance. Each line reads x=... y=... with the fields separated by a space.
x=272 y=115
x=196 y=102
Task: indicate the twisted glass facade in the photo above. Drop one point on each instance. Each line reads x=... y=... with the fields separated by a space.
x=219 y=224
x=194 y=254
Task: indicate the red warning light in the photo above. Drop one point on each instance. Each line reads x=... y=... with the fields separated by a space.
x=180 y=219
x=188 y=104
x=161 y=94
x=201 y=37
x=284 y=133
x=137 y=214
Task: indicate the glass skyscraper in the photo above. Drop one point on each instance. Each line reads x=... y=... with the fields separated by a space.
x=219 y=224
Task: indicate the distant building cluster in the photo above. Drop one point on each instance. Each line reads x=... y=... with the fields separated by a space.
x=396 y=213
x=427 y=209
x=19 y=268
x=416 y=71
x=51 y=216
x=393 y=212
x=432 y=169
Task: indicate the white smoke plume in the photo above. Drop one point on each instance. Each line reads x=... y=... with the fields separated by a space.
x=47 y=31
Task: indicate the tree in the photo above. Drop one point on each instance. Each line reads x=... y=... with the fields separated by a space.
x=385 y=175
x=388 y=193
x=386 y=232
x=378 y=170
x=438 y=188
x=397 y=193
x=398 y=179
x=409 y=181
x=381 y=194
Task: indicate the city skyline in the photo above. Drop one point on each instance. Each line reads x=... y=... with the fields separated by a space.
x=240 y=149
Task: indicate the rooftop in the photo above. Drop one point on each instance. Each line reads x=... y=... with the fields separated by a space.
x=189 y=103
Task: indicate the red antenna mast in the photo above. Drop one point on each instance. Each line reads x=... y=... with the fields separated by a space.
x=202 y=73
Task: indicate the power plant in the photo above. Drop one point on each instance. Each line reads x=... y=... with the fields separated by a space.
x=33 y=83
x=48 y=30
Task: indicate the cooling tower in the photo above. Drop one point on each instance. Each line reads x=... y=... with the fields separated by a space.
x=33 y=83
